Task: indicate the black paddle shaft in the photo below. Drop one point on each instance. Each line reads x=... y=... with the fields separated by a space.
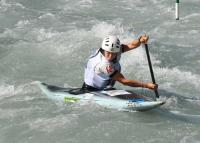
x=151 y=69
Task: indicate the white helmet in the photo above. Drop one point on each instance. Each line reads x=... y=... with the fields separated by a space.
x=111 y=44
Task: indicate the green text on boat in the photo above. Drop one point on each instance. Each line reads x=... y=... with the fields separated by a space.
x=71 y=99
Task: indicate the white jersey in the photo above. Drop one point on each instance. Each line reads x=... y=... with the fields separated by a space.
x=99 y=70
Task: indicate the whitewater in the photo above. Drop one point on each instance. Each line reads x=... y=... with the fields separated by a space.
x=50 y=41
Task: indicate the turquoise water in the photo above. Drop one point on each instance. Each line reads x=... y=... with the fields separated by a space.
x=50 y=41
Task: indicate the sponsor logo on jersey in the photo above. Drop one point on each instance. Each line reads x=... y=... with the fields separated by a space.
x=109 y=69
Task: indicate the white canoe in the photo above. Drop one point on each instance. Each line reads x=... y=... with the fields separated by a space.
x=115 y=99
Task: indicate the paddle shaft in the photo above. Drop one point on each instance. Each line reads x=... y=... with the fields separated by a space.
x=151 y=69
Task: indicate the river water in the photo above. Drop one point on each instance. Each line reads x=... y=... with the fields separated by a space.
x=50 y=41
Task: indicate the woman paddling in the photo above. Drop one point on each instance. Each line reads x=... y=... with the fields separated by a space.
x=103 y=68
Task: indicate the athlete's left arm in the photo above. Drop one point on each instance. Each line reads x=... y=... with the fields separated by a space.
x=133 y=83
x=135 y=43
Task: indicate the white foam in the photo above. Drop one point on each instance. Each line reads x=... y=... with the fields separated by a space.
x=47 y=15
x=190 y=137
x=8 y=33
x=22 y=23
x=52 y=123
x=193 y=15
x=85 y=3
x=197 y=116
x=180 y=80
x=192 y=32
x=171 y=103
x=44 y=34
x=20 y=5
x=177 y=81
x=103 y=29
x=41 y=34
x=12 y=113
x=5 y=5
x=6 y=91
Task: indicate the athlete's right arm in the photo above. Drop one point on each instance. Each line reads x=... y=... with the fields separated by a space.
x=135 y=43
x=133 y=83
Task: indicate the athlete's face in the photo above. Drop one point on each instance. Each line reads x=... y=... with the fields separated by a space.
x=110 y=56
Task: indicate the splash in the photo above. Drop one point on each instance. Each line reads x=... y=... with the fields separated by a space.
x=6 y=91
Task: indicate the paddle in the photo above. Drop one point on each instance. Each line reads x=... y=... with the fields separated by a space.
x=151 y=69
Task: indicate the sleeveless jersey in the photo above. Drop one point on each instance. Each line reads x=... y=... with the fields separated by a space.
x=99 y=70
